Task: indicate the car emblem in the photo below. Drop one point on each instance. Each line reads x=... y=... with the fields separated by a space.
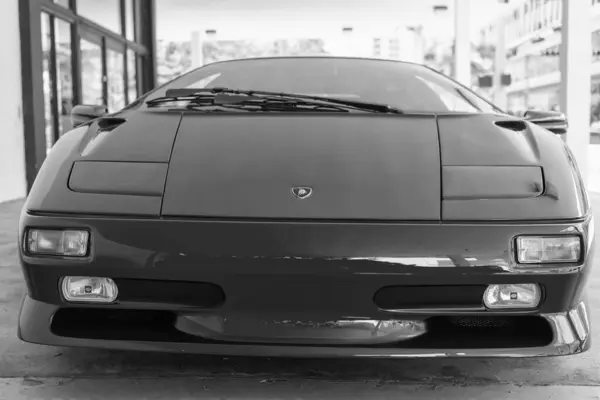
x=302 y=192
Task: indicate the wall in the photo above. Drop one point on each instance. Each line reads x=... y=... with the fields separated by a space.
x=593 y=168
x=12 y=150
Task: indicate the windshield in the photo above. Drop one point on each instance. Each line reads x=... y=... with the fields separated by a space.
x=409 y=87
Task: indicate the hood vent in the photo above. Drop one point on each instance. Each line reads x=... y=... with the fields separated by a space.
x=110 y=123
x=514 y=125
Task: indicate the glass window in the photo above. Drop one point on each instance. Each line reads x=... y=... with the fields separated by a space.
x=130 y=20
x=454 y=100
x=383 y=82
x=91 y=73
x=132 y=75
x=103 y=12
x=202 y=83
x=542 y=64
x=115 y=65
x=64 y=3
x=48 y=80
x=64 y=73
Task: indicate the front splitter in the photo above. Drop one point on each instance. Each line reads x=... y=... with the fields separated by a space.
x=253 y=329
x=35 y=319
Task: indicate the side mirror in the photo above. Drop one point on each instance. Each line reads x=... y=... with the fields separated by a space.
x=85 y=113
x=554 y=121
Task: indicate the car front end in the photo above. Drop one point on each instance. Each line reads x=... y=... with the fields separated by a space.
x=286 y=225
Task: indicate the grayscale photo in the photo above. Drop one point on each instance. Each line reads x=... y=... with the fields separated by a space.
x=315 y=199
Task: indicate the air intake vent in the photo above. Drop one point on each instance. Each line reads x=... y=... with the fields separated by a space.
x=110 y=123
x=515 y=125
x=410 y=297
x=482 y=322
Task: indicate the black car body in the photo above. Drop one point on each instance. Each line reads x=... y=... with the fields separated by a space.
x=310 y=230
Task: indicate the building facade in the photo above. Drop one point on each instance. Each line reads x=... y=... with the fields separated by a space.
x=61 y=53
x=532 y=37
x=404 y=43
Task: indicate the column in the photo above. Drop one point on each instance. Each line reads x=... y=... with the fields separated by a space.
x=348 y=41
x=575 y=71
x=462 y=44
x=12 y=148
x=418 y=46
x=32 y=111
x=385 y=47
x=197 y=53
x=146 y=34
x=500 y=97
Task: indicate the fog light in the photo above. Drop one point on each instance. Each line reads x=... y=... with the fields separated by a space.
x=518 y=295
x=549 y=249
x=89 y=289
x=71 y=243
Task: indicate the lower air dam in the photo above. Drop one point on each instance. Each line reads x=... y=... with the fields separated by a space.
x=337 y=332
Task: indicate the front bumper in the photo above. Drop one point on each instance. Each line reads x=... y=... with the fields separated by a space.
x=304 y=271
x=35 y=320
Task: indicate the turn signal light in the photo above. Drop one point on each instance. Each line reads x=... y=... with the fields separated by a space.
x=70 y=243
x=548 y=249
x=517 y=295
x=89 y=289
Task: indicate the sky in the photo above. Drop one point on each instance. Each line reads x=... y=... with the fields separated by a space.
x=313 y=18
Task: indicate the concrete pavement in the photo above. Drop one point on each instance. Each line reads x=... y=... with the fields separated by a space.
x=38 y=372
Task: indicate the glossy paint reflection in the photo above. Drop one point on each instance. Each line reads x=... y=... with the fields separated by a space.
x=252 y=329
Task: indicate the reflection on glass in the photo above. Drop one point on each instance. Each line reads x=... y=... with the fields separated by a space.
x=129 y=20
x=91 y=73
x=132 y=75
x=116 y=80
x=47 y=80
x=453 y=99
x=64 y=3
x=65 y=74
x=103 y=12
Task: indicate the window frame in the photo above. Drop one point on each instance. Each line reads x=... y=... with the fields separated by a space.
x=30 y=12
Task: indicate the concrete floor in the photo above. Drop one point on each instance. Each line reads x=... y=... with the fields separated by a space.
x=39 y=372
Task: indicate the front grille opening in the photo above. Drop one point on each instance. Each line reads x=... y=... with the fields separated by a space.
x=113 y=324
x=478 y=332
x=478 y=322
x=443 y=296
x=457 y=332
x=196 y=294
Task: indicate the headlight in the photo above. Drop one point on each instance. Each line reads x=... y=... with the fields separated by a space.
x=70 y=243
x=548 y=249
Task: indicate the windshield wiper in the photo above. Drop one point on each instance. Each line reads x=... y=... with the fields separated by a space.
x=266 y=106
x=222 y=102
x=245 y=97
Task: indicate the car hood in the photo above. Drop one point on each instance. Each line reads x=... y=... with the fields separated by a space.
x=454 y=167
x=357 y=167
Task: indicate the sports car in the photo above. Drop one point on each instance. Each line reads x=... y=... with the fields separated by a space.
x=309 y=207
